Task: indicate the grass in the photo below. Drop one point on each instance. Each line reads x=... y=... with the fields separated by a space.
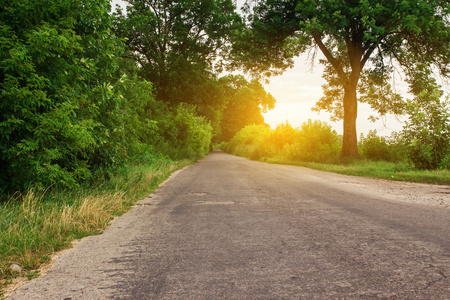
x=36 y=225
x=377 y=169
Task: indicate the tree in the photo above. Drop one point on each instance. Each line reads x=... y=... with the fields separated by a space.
x=177 y=44
x=427 y=131
x=360 y=39
x=56 y=59
x=246 y=103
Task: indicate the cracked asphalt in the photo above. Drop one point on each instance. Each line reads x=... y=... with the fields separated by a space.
x=231 y=228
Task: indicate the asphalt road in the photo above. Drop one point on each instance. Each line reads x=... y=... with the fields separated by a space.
x=230 y=228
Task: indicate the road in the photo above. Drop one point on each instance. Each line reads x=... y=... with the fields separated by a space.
x=231 y=228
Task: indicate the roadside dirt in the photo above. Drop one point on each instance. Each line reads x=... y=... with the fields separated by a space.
x=407 y=192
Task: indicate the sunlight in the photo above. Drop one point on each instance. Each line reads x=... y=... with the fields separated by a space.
x=298 y=90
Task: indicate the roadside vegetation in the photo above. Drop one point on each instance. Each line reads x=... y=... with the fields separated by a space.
x=37 y=224
x=419 y=153
x=98 y=105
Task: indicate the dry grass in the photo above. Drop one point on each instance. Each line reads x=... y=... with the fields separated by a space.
x=34 y=226
x=33 y=230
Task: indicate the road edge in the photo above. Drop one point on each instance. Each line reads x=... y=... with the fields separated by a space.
x=46 y=267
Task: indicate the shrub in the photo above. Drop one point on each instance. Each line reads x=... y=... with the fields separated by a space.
x=445 y=163
x=374 y=147
x=284 y=134
x=189 y=135
x=427 y=132
x=252 y=141
x=51 y=76
x=317 y=143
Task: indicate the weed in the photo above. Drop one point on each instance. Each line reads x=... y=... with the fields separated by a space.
x=35 y=225
x=33 y=274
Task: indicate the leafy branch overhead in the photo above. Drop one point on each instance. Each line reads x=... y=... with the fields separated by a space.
x=84 y=92
x=169 y=37
x=361 y=41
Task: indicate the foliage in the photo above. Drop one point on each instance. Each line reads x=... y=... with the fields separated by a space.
x=360 y=40
x=313 y=141
x=381 y=148
x=186 y=134
x=424 y=140
x=139 y=112
x=178 y=46
x=246 y=101
x=166 y=37
x=55 y=61
x=374 y=147
x=317 y=142
x=284 y=134
x=251 y=142
x=427 y=132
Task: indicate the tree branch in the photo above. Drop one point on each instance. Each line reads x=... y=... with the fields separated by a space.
x=317 y=36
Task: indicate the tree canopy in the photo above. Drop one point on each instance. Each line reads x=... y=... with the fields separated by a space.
x=56 y=59
x=84 y=92
x=361 y=41
x=179 y=46
x=245 y=103
x=177 y=42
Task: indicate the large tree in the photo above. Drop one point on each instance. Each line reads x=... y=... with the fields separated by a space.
x=361 y=41
x=179 y=46
x=177 y=43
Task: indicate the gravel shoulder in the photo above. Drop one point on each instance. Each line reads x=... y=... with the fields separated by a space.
x=406 y=192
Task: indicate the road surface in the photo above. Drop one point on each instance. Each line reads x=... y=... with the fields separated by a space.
x=231 y=228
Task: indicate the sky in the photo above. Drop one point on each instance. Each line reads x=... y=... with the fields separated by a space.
x=298 y=89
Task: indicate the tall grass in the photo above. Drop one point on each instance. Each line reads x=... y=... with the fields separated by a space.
x=33 y=226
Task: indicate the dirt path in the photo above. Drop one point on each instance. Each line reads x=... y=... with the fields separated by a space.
x=230 y=228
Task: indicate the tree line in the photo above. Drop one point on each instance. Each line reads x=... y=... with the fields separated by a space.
x=85 y=90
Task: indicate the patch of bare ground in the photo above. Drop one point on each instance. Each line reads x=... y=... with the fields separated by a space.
x=408 y=192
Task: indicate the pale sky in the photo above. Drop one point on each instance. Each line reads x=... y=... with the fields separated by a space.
x=297 y=91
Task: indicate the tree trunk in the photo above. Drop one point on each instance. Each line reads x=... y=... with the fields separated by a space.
x=350 y=139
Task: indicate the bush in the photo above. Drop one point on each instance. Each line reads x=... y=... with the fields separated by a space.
x=317 y=142
x=51 y=76
x=284 y=134
x=374 y=147
x=427 y=132
x=187 y=135
x=445 y=163
x=252 y=141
